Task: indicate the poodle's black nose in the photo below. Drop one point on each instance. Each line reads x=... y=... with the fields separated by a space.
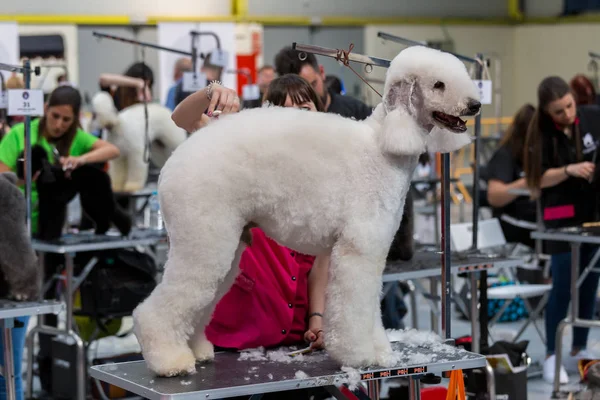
x=474 y=106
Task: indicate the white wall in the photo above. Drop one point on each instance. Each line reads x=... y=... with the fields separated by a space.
x=468 y=40
x=543 y=50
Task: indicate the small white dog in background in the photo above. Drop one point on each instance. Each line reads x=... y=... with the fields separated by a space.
x=126 y=130
x=315 y=182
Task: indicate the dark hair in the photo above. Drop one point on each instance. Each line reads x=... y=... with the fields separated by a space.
x=550 y=89
x=294 y=86
x=334 y=84
x=141 y=71
x=128 y=96
x=64 y=96
x=287 y=61
x=583 y=89
x=515 y=135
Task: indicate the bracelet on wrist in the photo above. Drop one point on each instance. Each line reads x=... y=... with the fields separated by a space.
x=315 y=314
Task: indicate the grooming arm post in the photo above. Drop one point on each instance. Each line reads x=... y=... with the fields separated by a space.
x=476 y=156
x=446 y=255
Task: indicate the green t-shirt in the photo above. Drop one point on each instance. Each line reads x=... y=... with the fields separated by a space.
x=13 y=144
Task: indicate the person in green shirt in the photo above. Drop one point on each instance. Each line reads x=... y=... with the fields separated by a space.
x=58 y=132
x=66 y=145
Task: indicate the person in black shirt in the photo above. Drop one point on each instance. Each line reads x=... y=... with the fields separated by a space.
x=516 y=213
x=288 y=62
x=559 y=157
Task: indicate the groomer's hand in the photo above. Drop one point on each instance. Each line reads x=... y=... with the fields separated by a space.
x=223 y=99
x=314 y=335
x=583 y=170
x=71 y=163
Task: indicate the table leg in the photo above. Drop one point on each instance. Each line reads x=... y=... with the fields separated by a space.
x=436 y=219
x=373 y=389
x=575 y=249
x=81 y=364
x=8 y=370
x=475 y=342
x=414 y=388
x=490 y=381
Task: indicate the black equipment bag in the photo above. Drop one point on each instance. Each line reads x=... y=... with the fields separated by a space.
x=120 y=280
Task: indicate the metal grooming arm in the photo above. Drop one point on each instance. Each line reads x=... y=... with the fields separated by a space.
x=336 y=53
x=26 y=70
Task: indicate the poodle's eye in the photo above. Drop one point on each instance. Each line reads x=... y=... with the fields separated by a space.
x=439 y=85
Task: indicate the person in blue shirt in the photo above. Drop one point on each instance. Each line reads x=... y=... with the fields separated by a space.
x=181 y=65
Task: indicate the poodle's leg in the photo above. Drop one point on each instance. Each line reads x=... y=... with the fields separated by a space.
x=352 y=303
x=117 y=171
x=200 y=258
x=137 y=172
x=202 y=348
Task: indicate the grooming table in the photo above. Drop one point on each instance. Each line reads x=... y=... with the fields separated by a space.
x=426 y=264
x=69 y=245
x=228 y=376
x=575 y=236
x=9 y=310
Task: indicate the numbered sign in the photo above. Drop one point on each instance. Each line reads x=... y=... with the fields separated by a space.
x=219 y=58
x=250 y=92
x=3 y=100
x=192 y=82
x=26 y=102
x=485 y=91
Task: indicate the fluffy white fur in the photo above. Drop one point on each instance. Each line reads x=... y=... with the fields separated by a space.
x=126 y=128
x=315 y=182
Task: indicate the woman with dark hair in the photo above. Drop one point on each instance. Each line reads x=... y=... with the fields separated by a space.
x=292 y=91
x=133 y=87
x=62 y=159
x=583 y=89
x=560 y=149
x=516 y=213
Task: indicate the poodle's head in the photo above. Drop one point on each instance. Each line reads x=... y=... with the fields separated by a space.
x=435 y=90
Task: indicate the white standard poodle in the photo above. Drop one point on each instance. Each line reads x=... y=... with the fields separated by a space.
x=315 y=182
x=126 y=130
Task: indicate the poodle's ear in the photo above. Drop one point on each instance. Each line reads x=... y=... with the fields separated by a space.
x=407 y=94
x=441 y=141
x=401 y=133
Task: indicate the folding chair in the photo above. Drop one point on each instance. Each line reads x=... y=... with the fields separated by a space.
x=490 y=236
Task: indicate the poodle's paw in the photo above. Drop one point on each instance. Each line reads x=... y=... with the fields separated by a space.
x=353 y=356
x=132 y=187
x=203 y=349
x=171 y=361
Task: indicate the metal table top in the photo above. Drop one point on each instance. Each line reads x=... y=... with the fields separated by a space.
x=16 y=309
x=570 y=235
x=80 y=242
x=427 y=264
x=232 y=374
